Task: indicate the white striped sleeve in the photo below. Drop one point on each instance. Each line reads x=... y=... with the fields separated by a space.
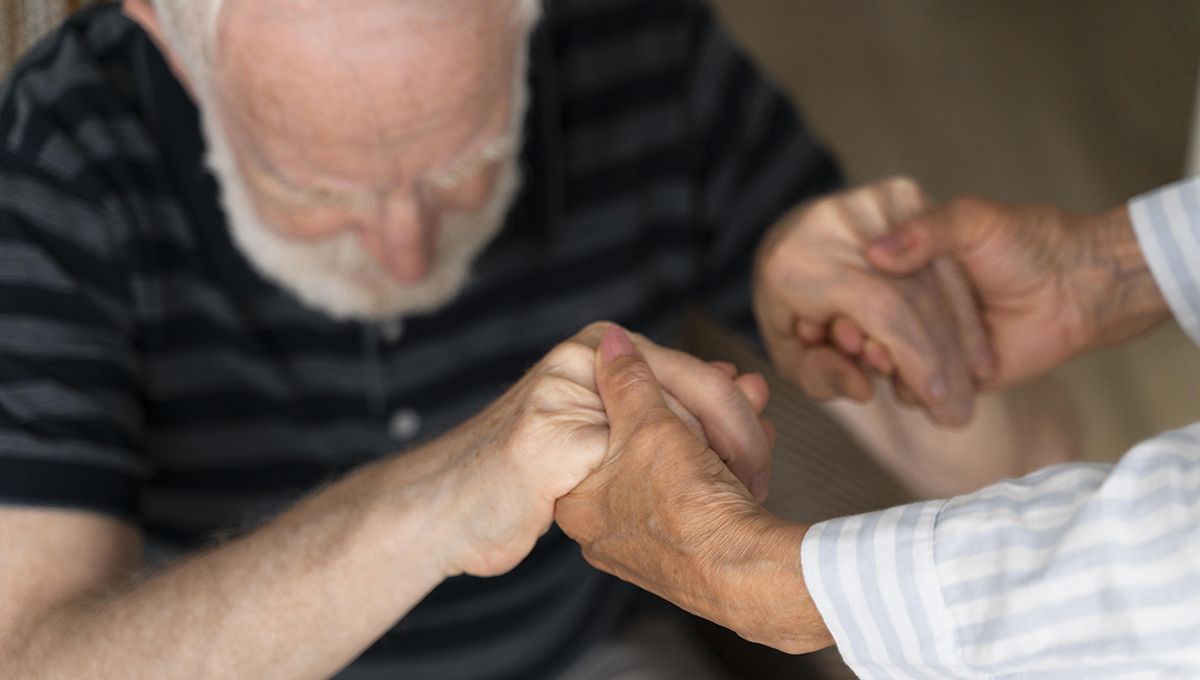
x=1078 y=571
x=1167 y=223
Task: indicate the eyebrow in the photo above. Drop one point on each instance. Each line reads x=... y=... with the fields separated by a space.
x=462 y=168
x=311 y=194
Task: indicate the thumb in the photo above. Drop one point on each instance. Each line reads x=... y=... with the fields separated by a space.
x=628 y=388
x=915 y=244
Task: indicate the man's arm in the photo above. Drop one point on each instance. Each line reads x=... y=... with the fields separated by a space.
x=305 y=594
x=299 y=598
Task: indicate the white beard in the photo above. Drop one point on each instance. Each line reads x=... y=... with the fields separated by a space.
x=317 y=271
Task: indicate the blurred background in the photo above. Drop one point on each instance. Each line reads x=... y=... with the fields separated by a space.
x=1081 y=103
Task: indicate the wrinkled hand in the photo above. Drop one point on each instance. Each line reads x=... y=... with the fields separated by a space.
x=1050 y=284
x=829 y=318
x=663 y=512
x=550 y=431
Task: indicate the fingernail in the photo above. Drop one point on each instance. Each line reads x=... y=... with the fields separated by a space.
x=938 y=389
x=892 y=244
x=615 y=344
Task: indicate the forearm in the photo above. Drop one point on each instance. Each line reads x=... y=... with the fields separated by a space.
x=298 y=598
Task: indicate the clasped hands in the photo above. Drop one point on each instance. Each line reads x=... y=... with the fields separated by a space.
x=655 y=462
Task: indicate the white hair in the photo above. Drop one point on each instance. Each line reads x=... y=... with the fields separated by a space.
x=190 y=28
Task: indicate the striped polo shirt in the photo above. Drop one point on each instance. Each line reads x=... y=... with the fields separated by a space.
x=148 y=372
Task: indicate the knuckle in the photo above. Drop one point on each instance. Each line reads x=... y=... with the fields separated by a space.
x=571 y=353
x=635 y=377
x=902 y=183
x=908 y=190
x=548 y=392
x=662 y=428
x=712 y=379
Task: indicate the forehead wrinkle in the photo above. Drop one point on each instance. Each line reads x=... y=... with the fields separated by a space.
x=283 y=89
x=322 y=114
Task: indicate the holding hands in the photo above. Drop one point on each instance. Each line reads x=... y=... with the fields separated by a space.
x=829 y=318
x=655 y=461
x=1049 y=284
x=946 y=300
x=664 y=512
x=550 y=431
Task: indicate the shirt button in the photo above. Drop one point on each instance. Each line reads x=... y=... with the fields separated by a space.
x=404 y=425
x=392 y=330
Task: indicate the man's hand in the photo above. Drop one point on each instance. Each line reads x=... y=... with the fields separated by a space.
x=1050 y=284
x=663 y=512
x=550 y=431
x=828 y=317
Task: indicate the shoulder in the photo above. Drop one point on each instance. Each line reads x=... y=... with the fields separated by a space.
x=582 y=23
x=74 y=137
x=71 y=102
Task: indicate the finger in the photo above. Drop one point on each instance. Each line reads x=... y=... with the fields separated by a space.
x=628 y=388
x=693 y=425
x=972 y=331
x=848 y=336
x=729 y=418
x=877 y=357
x=725 y=367
x=905 y=394
x=754 y=388
x=825 y=373
x=948 y=230
x=903 y=199
x=810 y=332
x=907 y=318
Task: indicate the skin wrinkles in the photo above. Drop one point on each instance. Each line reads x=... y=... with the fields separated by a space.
x=321 y=104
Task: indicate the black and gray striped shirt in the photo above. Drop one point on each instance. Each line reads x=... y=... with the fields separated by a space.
x=147 y=372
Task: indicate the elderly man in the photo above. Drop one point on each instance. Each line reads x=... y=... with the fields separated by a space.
x=1080 y=571
x=186 y=358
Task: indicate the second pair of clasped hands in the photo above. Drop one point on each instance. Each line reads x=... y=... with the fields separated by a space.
x=655 y=462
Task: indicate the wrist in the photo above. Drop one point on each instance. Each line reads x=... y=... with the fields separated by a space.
x=421 y=494
x=1118 y=296
x=763 y=587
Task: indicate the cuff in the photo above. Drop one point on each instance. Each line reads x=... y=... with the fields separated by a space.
x=874 y=580
x=1167 y=224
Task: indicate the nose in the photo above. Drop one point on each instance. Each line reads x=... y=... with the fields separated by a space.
x=403 y=239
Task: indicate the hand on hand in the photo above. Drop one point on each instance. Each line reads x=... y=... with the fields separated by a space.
x=830 y=319
x=664 y=512
x=1049 y=284
x=550 y=431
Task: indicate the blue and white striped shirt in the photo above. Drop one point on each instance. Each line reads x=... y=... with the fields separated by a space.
x=1077 y=571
